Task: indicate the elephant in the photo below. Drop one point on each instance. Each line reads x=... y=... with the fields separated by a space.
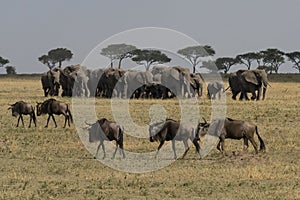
x=74 y=76
x=177 y=79
x=80 y=87
x=93 y=81
x=107 y=85
x=214 y=89
x=50 y=82
x=244 y=81
x=133 y=80
x=196 y=84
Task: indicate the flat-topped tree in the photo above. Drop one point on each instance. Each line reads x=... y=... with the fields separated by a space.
x=294 y=57
x=117 y=52
x=273 y=59
x=56 y=57
x=148 y=57
x=247 y=59
x=194 y=54
x=225 y=63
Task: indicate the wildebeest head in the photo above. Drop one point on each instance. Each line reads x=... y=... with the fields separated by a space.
x=13 y=110
x=94 y=134
x=154 y=130
x=39 y=108
x=202 y=128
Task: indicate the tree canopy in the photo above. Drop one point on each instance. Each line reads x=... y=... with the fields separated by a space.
x=272 y=58
x=3 y=61
x=194 y=54
x=56 y=56
x=118 y=52
x=224 y=63
x=150 y=57
x=294 y=57
x=247 y=59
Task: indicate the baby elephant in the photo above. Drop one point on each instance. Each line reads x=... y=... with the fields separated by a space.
x=22 y=108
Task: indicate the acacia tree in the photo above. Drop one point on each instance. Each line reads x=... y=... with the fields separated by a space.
x=294 y=57
x=148 y=57
x=56 y=56
x=247 y=59
x=3 y=61
x=224 y=63
x=272 y=59
x=194 y=54
x=118 y=52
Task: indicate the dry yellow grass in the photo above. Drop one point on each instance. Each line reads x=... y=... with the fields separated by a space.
x=51 y=163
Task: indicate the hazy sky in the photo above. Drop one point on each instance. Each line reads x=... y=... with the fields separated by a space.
x=31 y=28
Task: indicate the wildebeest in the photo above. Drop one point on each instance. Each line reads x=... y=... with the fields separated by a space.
x=107 y=130
x=53 y=107
x=22 y=108
x=173 y=130
x=232 y=129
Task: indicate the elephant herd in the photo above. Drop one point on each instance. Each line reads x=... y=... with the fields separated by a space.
x=158 y=83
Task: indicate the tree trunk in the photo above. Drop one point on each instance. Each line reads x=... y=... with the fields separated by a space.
x=59 y=64
x=119 y=66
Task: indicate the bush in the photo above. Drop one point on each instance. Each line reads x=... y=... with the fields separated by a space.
x=10 y=70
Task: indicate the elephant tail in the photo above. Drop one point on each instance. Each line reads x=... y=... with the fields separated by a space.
x=262 y=144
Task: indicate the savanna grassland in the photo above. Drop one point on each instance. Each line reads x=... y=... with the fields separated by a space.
x=52 y=163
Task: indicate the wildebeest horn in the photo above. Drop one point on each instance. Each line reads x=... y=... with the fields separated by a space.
x=87 y=123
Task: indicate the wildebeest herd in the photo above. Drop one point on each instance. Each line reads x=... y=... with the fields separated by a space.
x=159 y=83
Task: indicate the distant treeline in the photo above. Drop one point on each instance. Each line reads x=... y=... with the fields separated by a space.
x=280 y=77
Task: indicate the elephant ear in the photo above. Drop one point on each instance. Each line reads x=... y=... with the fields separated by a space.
x=174 y=73
x=250 y=77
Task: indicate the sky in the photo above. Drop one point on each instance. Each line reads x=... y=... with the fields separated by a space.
x=31 y=28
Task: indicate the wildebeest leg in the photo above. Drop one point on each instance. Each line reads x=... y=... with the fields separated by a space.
x=103 y=148
x=186 y=147
x=254 y=144
x=218 y=146
x=30 y=120
x=115 y=151
x=245 y=143
x=18 y=121
x=48 y=121
x=66 y=118
x=158 y=148
x=173 y=147
x=54 y=121
x=22 y=119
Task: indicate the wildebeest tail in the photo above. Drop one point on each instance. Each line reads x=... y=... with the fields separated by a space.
x=69 y=113
x=121 y=133
x=33 y=115
x=262 y=144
